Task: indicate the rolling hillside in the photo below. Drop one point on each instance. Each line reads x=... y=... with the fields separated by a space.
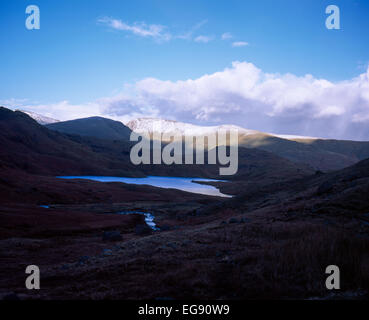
x=34 y=149
x=28 y=146
x=319 y=154
x=97 y=127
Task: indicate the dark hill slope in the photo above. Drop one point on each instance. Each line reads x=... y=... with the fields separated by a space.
x=32 y=148
x=97 y=127
x=322 y=155
x=347 y=189
x=342 y=193
x=358 y=150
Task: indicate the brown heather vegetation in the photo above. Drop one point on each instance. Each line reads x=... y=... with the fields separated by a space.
x=273 y=240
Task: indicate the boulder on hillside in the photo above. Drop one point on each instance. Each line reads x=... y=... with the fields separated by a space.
x=112 y=236
x=143 y=230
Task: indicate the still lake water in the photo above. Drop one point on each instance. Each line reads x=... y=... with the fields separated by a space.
x=185 y=184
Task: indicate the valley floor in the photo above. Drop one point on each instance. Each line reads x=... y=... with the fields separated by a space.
x=230 y=254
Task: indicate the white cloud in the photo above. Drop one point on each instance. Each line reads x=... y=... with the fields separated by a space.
x=189 y=34
x=330 y=111
x=155 y=31
x=203 y=39
x=63 y=110
x=138 y=28
x=226 y=36
x=240 y=44
x=243 y=95
x=247 y=96
x=13 y=103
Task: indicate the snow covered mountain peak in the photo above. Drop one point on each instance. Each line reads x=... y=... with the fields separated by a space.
x=150 y=125
x=39 y=118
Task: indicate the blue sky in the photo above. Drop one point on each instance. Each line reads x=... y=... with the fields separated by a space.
x=77 y=56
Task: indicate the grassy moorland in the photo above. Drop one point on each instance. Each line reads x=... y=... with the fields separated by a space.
x=273 y=240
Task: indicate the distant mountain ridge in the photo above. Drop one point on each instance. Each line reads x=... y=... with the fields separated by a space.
x=141 y=125
x=319 y=154
x=30 y=148
x=98 y=127
x=148 y=125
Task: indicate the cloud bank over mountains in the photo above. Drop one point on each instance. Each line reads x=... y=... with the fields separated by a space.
x=242 y=95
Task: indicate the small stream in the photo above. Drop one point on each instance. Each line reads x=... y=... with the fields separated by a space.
x=149 y=218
